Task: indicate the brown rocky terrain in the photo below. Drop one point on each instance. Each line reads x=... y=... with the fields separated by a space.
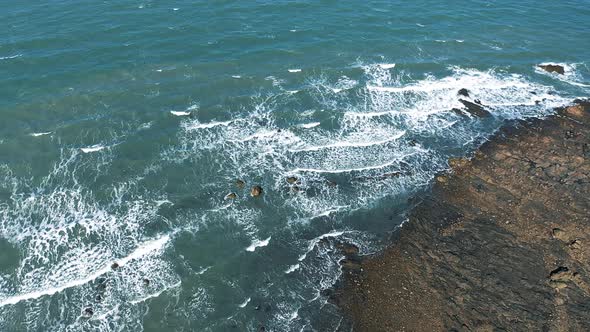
x=501 y=244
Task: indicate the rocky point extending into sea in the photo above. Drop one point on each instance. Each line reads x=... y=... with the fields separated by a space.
x=502 y=242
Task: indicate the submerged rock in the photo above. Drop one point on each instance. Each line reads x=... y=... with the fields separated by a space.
x=292 y=180
x=115 y=266
x=240 y=183
x=551 y=68
x=256 y=191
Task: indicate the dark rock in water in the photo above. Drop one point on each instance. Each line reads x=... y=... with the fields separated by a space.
x=240 y=183
x=114 y=266
x=256 y=191
x=584 y=103
x=231 y=196
x=463 y=92
x=553 y=68
x=88 y=312
x=292 y=180
x=475 y=109
x=261 y=328
x=146 y=282
x=459 y=112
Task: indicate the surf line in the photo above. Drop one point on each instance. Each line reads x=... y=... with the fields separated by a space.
x=142 y=250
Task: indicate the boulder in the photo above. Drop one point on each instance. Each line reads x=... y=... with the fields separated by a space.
x=231 y=196
x=550 y=68
x=240 y=183
x=292 y=180
x=256 y=191
x=88 y=312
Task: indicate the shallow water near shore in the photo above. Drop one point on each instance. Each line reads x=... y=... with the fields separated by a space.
x=125 y=124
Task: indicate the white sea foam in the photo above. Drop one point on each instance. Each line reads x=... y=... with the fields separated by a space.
x=316 y=240
x=195 y=125
x=258 y=244
x=203 y=270
x=275 y=81
x=155 y=294
x=292 y=268
x=93 y=148
x=310 y=125
x=346 y=170
x=295 y=70
x=328 y=212
x=387 y=65
x=143 y=250
x=245 y=303
x=180 y=113
x=40 y=134
x=10 y=57
x=344 y=144
x=236 y=76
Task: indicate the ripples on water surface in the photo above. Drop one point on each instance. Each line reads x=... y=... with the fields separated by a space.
x=126 y=123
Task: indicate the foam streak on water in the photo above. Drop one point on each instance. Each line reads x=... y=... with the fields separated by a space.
x=143 y=250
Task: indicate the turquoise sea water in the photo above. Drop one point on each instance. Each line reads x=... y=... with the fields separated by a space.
x=124 y=124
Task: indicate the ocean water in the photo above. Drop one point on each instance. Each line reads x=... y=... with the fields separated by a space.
x=124 y=125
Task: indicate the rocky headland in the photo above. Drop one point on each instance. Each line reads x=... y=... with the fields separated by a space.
x=502 y=242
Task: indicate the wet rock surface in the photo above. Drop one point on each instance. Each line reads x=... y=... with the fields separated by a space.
x=501 y=244
x=256 y=191
x=474 y=108
x=553 y=68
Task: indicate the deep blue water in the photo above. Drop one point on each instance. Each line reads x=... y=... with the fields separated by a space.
x=124 y=125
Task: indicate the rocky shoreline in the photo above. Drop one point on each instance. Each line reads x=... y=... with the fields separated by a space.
x=501 y=243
